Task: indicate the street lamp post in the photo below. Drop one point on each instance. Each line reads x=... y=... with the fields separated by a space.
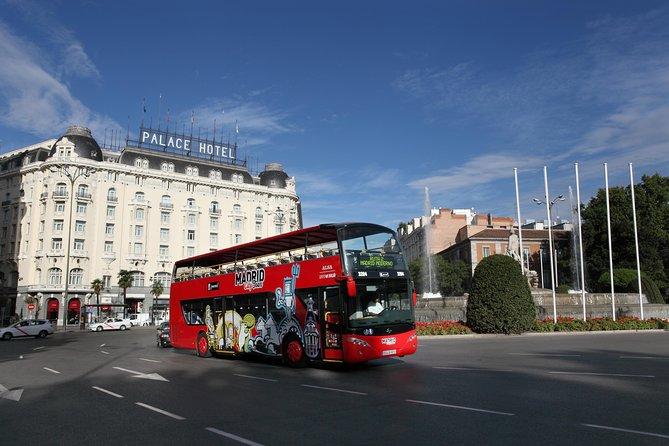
x=72 y=173
x=549 y=204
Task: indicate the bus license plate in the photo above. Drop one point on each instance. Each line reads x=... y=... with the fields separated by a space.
x=388 y=341
x=388 y=352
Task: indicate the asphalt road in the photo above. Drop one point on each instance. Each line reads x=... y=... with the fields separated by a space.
x=96 y=388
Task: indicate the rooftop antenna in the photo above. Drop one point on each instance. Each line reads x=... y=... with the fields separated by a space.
x=127 y=134
x=160 y=102
x=143 y=110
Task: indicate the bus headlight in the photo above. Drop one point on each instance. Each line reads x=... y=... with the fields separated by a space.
x=359 y=342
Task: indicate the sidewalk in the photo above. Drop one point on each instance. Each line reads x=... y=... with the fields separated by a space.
x=532 y=334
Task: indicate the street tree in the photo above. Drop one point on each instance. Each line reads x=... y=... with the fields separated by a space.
x=124 y=282
x=96 y=287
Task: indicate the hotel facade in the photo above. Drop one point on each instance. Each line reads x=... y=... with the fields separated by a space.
x=74 y=212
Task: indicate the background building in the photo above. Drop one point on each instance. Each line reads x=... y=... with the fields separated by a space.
x=140 y=209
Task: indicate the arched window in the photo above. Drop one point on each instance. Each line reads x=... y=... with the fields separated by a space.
x=137 y=278
x=82 y=190
x=38 y=275
x=165 y=167
x=171 y=167
x=145 y=163
x=111 y=195
x=190 y=202
x=61 y=190
x=259 y=215
x=55 y=276
x=76 y=276
x=139 y=196
x=189 y=170
x=166 y=200
x=237 y=209
x=164 y=278
x=138 y=162
x=214 y=207
x=196 y=172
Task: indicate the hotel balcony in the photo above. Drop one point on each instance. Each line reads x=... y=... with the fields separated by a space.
x=79 y=253
x=164 y=205
x=84 y=196
x=55 y=253
x=108 y=255
x=60 y=194
x=111 y=199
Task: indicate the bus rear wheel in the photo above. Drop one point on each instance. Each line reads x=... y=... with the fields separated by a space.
x=293 y=353
x=202 y=346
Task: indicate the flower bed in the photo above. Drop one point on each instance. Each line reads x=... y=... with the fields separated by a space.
x=547 y=325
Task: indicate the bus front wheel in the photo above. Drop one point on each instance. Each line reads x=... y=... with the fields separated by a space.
x=202 y=346
x=293 y=352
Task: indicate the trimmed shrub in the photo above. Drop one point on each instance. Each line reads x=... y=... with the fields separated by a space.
x=624 y=281
x=562 y=289
x=500 y=300
x=650 y=289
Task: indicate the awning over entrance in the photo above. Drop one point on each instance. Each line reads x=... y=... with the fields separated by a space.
x=74 y=305
x=52 y=305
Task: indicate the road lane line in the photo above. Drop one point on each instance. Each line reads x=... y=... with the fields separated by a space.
x=51 y=370
x=102 y=345
x=233 y=436
x=255 y=377
x=149 y=360
x=643 y=357
x=623 y=375
x=333 y=389
x=104 y=352
x=545 y=354
x=470 y=369
x=161 y=411
x=472 y=409
x=38 y=348
x=108 y=392
x=631 y=431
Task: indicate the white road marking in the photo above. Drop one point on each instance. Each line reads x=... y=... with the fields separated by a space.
x=233 y=437
x=643 y=357
x=149 y=360
x=38 y=348
x=51 y=370
x=545 y=354
x=153 y=376
x=104 y=352
x=650 y=434
x=102 y=345
x=624 y=375
x=161 y=411
x=108 y=392
x=333 y=389
x=20 y=356
x=255 y=377
x=471 y=369
x=473 y=409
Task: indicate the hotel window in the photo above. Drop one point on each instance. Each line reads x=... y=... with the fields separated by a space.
x=55 y=276
x=138 y=248
x=190 y=202
x=214 y=207
x=191 y=235
x=111 y=194
x=81 y=207
x=139 y=197
x=237 y=226
x=164 y=235
x=164 y=250
x=166 y=201
x=213 y=223
x=57 y=244
x=109 y=229
x=109 y=247
x=259 y=215
x=137 y=278
x=61 y=190
x=76 y=276
x=486 y=251
x=191 y=219
x=195 y=171
x=165 y=218
x=139 y=214
x=164 y=278
x=82 y=190
x=138 y=162
x=80 y=226
x=213 y=239
x=164 y=167
x=78 y=244
x=279 y=228
x=258 y=227
x=57 y=225
x=139 y=231
x=112 y=176
x=111 y=211
x=190 y=251
x=237 y=209
x=238 y=238
x=59 y=208
x=106 y=281
x=40 y=244
x=171 y=167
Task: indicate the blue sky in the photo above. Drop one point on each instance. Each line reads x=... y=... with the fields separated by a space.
x=364 y=103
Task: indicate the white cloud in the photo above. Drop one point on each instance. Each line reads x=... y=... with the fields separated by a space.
x=35 y=101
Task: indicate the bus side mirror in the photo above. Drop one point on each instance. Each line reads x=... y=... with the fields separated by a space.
x=350 y=287
x=414 y=297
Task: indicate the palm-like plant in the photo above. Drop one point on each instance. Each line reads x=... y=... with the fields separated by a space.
x=96 y=287
x=124 y=282
x=157 y=289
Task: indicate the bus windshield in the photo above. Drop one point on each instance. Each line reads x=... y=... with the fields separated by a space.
x=380 y=302
x=369 y=248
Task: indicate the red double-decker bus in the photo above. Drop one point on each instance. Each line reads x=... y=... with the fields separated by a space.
x=333 y=292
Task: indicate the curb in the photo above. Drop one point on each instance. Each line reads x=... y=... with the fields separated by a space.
x=530 y=335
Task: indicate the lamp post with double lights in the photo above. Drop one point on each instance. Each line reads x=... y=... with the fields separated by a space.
x=549 y=204
x=72 y=173
x=554 y=201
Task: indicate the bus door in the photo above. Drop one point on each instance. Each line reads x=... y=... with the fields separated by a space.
x=331 y=320
x=223 y=320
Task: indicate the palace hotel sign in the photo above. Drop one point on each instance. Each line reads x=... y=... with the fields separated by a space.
x=186 y=145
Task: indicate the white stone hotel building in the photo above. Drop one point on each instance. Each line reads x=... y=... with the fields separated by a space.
x=138 y=209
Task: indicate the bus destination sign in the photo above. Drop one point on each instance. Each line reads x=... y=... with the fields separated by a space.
x=180 y=144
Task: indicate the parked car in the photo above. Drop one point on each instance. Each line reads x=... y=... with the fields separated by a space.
x=141 y=319
x=110 y=324
x=163 y=335
x=38 y=328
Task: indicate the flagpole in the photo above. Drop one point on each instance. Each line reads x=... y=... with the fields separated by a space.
x=550 y=243
x=636 y=242
x=580 y=238
x=541 y=266
x=608 y=230
x=520 y=230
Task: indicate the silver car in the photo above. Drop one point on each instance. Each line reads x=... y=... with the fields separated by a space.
x=38 y=328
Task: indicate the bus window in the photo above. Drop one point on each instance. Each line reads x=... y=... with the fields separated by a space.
x=193 y=311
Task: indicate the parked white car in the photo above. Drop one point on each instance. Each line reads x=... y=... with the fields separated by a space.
x=141 y=319
x=110 y=324
x=38 y=328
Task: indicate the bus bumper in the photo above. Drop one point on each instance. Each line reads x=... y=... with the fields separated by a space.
x=358 y=348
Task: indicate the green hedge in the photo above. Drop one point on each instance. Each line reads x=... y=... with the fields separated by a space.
x=625 y=281
x=500 y=300
x=599 y=324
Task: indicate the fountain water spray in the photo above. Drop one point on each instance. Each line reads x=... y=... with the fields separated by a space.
x=430 y=289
